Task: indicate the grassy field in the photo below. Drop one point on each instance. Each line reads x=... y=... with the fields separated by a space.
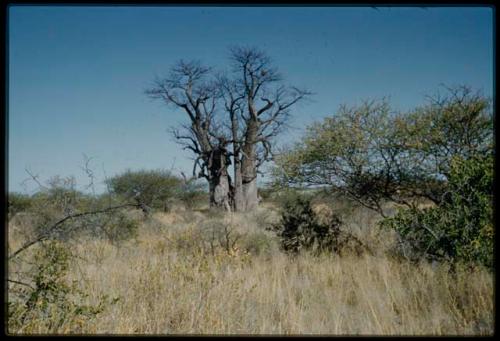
x=195 y=272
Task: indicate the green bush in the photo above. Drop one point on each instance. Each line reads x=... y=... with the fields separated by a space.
x=54 y=202
x=153 y=188
x=461 y=227
x=120 y=227
x=50 y=304
x=59 y=200
x=300 y=228
x=373 y=154
x=18 y=202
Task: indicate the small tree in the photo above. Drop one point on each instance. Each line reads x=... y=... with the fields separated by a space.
x=150 y=188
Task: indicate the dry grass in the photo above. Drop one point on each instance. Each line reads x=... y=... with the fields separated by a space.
x=171 y=281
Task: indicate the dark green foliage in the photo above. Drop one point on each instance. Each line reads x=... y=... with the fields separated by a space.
x=153 y=188
x=300 y=228
x=461 y=227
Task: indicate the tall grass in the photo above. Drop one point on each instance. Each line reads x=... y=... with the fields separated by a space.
x=177 y=277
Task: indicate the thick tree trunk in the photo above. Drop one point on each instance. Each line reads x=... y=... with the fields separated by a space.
x=249 y=178
x=220 y=192
x=239 y=199
x=250 y=194
x=219 y=181
x=248 y=162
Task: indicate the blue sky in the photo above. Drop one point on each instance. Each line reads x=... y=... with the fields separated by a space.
x=77 y=74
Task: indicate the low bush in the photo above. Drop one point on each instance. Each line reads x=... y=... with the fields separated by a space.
x=300 y=228
x=49 y=304
x=18 y=202
x=259 y=243
x=120 y=227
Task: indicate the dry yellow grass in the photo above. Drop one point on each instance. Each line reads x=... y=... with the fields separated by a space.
x=168 y=283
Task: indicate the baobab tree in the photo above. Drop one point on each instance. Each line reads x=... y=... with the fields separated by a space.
x=189 y=87
x=259 y=107
x=246 y=109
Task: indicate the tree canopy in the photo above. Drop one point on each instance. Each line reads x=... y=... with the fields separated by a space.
x=373 y=153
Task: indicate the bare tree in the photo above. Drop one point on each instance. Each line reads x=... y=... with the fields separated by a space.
x=189 y=87
x=234 y=106
x=245 y=110
x=261 y=110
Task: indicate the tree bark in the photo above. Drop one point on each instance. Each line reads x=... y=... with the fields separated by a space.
x=251 y=199
x=239 y=200
x=249 y=169
x=219 y=180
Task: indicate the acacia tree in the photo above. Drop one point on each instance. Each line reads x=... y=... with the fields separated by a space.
x=245 y=110
x=148 y=188
x=373 y=154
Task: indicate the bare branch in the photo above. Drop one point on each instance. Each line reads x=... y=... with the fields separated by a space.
x=46 y=234
x=21 y=283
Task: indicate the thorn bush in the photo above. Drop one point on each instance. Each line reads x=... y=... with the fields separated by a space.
x=300 y=228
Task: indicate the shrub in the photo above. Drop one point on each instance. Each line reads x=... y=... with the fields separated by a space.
x=266 y=193
x=259 y=243
x=55 y=201
x=461 y=227
x=216 y=233
x=60 y=200
x=116 y=226
x=121 y=227
x=300 y=228
x=191 y=193
x=154 y=188
x=18 y=202
x=51 y=305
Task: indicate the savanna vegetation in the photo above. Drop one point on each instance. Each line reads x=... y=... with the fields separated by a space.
x=378 y=222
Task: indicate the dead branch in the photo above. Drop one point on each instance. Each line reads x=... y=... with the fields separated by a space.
x=52 y=228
